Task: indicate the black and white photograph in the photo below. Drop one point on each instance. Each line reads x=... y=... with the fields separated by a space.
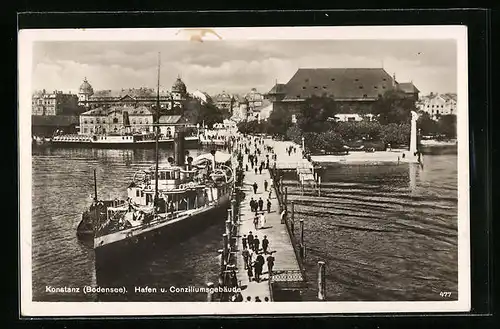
x=195 y=171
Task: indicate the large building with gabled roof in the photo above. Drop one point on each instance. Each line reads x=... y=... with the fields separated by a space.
x=355 y=89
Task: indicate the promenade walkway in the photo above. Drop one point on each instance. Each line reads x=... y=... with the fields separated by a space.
x=287 y=161
x=279 y=240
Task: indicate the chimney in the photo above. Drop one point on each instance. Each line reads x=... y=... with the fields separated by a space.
x=179 y=148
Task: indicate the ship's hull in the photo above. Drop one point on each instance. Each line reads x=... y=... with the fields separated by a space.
x=127 y=253
x=150 y=144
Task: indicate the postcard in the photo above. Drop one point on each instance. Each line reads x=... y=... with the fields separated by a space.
x=200 y=171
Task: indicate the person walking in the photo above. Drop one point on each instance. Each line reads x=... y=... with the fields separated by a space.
x=256 y=244
x=246 y=167
x=283 y=216
x=250 y=240
x=256 y=170
x=265 y=244
x=261 y=204
x=244 y=242
x=262 y=220
x=255 y=185
x=250 y=272
x=246 y=254
x=260 y=170
x=270 y=264
x=268 y=205
x=265 y=185
x=252 y=204
x=256 y=222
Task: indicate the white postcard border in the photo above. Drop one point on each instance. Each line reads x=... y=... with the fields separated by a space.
x=30 y=308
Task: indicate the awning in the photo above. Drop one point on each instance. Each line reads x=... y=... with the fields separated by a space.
x=220 y=157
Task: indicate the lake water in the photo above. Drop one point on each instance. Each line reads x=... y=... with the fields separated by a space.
x=386 y=232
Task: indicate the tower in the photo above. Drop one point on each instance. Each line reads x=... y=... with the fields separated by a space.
x=84 y=93
x=179 y=92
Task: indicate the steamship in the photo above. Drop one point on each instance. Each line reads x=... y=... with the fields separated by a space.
x=165 y=204
x=126 y=140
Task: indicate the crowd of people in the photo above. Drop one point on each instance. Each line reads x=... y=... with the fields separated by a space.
x=255 y=156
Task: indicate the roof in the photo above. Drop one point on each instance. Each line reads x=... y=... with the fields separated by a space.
x=132 y=111
x=279 y=88
x=408 y=87
x=219 y=156
x=131 y=92
x=172 y=119
x=449 y=96
x=222 y=97
x=340 y=83
x=54 y=120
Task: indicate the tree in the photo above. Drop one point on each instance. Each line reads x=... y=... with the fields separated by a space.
x=396 y=134
x=393 y=107
x=314 y=114
x=279 y=121
x=447 y=125
x=359 y=130
x=427 y=125
x=294 y=133
x=330 y=141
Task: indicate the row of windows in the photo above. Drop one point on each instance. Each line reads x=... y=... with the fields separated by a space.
x=356 y=79
x=364 y=96
x=115 y=120
x=442 y=106
x=360 y=87
x=437 y=111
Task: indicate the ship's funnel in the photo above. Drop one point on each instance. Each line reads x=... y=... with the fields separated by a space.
x=179 y=148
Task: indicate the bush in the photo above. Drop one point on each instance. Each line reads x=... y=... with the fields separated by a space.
x=396 y=134
x=294 y=134
x=330 y=141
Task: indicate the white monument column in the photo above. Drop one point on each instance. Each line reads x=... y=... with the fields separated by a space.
x=413 y=133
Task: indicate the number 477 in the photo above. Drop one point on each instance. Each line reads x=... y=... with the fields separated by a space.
x=445 y=294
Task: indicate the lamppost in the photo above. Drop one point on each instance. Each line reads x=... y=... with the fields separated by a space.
x=303 y=145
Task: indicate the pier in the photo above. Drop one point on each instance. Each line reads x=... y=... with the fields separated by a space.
x=286 y=266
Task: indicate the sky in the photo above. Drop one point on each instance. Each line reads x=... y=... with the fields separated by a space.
x=235 y=66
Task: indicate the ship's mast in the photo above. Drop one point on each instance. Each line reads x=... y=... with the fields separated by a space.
x=157 y=119
x=95 y=187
